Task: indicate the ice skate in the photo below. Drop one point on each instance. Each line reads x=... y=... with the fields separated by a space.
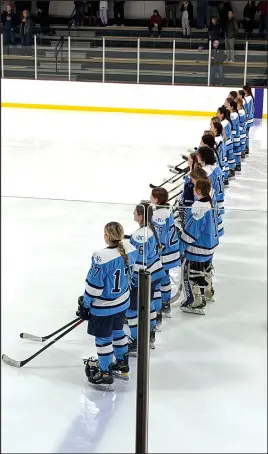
x=158 y=321
x=166 y=310
x=226 y=184
x=152 y=339
x=247 y=152
x=238 y=168
x=120 y=368
x=132 y=347
x=231 y=174
x=191 y=309
x=243 y=155
x=98 y=379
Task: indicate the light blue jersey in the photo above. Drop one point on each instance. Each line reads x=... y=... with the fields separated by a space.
x=148 y=258
x=236 y=137
x=215 y=175
x=229 y=143
x=108 y=281
x=250 y=109
x=243 y=128
x=199 y=237
x=163 y=220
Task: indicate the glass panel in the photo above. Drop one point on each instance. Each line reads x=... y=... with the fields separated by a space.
x=156 y=60
x=121 y=59
x=191 y=66
x=18 y=60
x=257 y=63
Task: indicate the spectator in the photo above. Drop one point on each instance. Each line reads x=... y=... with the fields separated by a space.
x=230 y=32
x=223 y=9
x=155 y=21
x=186 y=18
x=249 y=18
x=217 y=58
x=171 y=7
x=43 y=16
x=119 y=12
x=104 y=13
x=262 y=9
x=79 y=13
x=8 y=21
x=26 y=29
x=20 y=6
x=211 y=10
x=213 y=29
x=93 y=8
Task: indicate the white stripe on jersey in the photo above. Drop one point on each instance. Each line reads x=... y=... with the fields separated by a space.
x=199 y=250
x=92 y=291
x=170 y=257
x=105 y=304
x=156 y=266
x=187 y=238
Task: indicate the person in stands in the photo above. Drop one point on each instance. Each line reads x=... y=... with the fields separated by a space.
x=171 y=7
x=262 y=9
x=249 y=18
x=26 y=29
x=213 y=30
x=155 y=21
x=186 y=18
x=119 y=15
x=8 y=22
x=217 y=58
x=230 y=34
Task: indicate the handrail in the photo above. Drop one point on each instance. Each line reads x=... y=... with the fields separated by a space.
x=71 y=21
x=58 y=48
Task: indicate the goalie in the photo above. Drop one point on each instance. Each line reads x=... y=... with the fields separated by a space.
x=198 y=241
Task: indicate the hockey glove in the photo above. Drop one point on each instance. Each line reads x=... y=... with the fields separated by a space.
x=82 y=311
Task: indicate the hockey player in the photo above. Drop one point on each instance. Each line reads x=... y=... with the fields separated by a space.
x=236 y=133
x=250 y=109
x=224 y=115
x=220 y=148
x=242 y=125
x=186 y=197
x=163 y=219
x=105 y=301
x=148 y=246
x=198 y=241
x=207 y=160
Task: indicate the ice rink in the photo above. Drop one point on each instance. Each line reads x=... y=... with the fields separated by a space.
x=64 y=175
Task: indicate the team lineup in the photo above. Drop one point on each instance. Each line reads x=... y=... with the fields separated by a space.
x=184 y=235
x=179 y=232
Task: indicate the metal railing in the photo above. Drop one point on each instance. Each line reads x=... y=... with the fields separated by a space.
x=173 y=68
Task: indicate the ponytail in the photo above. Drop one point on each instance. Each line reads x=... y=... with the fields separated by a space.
x=247 y=88
x=122 y=251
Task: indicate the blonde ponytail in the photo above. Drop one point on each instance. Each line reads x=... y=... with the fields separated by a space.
x=114 y=232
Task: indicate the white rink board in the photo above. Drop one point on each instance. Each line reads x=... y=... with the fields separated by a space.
x=159 y=97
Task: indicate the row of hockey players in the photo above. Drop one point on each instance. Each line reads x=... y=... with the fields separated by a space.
x=112 y=282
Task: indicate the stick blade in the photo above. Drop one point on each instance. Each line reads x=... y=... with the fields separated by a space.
x=11 y=362
x=31 y=337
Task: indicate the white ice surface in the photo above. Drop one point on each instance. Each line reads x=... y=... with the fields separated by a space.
x=207 y=374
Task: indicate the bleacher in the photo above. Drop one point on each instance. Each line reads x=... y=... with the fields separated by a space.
x=156 y=57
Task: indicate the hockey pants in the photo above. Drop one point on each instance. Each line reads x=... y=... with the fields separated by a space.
x=132 y=312
x=110 y=338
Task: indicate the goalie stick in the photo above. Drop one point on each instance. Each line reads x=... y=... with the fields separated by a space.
x=45 y=338
x=13 y=363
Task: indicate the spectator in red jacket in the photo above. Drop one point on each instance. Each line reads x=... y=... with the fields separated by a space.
x=262 y=9
x=155 y=21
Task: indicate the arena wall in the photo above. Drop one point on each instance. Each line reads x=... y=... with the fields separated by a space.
x=108 y=97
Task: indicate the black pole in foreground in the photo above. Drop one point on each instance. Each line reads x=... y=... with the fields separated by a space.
x=143 y=341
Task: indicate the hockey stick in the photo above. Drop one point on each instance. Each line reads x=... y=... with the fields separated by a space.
x=12 y=362
x=170 y=179
x=44 y=338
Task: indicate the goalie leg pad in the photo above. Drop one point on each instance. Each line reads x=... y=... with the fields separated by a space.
x=193 y=283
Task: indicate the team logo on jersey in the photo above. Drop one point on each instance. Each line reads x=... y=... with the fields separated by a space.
x=97 y=258
x=139 y=237
x=159 y=220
